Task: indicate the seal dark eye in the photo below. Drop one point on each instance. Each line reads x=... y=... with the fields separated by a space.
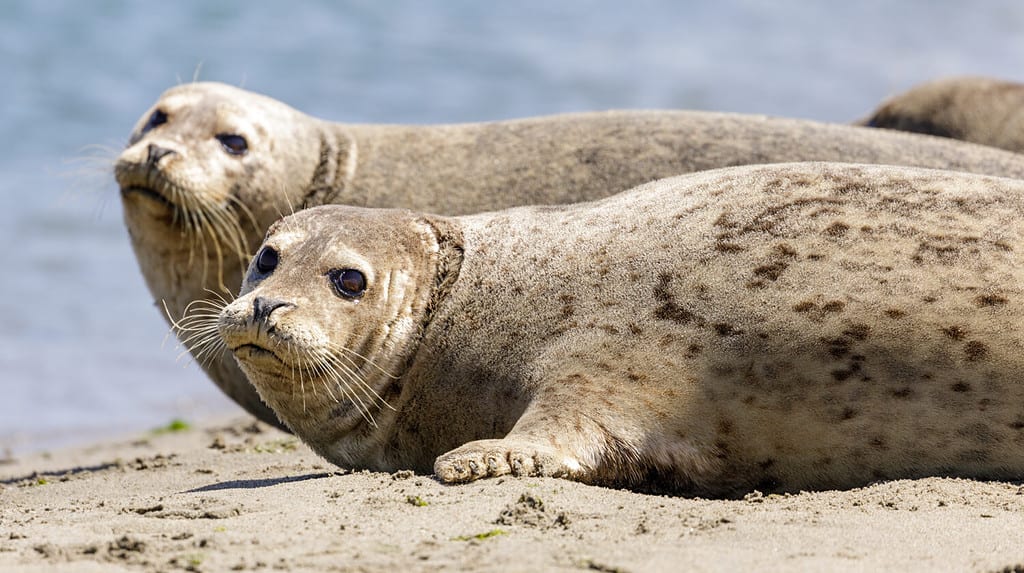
x=156 y=118
x=266 y=261
x=349 y=283
x=232 y=143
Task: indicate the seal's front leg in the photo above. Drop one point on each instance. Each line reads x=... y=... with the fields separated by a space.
x=581 y=426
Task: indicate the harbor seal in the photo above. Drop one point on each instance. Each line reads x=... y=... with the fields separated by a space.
x=209 y=167
x=976 y=109
x=780 y=327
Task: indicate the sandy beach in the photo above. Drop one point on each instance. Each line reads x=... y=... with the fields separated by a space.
x=236 y=495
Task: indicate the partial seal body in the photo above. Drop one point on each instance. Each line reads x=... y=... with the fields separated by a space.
x=210 y=167
x=778 y=327
x=980 y=110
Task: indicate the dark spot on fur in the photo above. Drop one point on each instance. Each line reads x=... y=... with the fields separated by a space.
x=693 y=350
x=723 y=221
x=771 y=271
x=975 y=351
x=753 y=285
x=669 y=310
x=857 y=331
x=901 y=392
x=954 y=332
x=929 y=299
x=784 y=250
x=815 y=257
x=609 y=329
x=805 y=306
x=837 y=229
x=842 y=375
x=990 y=300
x=725 y=427
x=838 y=347
x=724 y=247
x=724 y=329
x=764 y=465
x=878 y=443
x=635 y=329
x=1017 y=424
x=634 y=377
x=568 y=309
x=895 y=313
x=722 y=449
x=961 y=386
x=833 y=306
x=848 y=413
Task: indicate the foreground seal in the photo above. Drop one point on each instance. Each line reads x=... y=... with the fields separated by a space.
x=210 y=167
x=782 y=327
x=981 y=110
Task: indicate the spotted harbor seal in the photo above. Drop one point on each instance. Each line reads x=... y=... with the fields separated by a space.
x=210 y=167
x=782 y=327
x=981 y=110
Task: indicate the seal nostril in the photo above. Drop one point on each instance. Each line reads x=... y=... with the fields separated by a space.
x=156 y=153
x=263 y=307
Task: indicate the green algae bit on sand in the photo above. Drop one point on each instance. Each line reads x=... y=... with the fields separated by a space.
x=481 y=536
x=176 y=425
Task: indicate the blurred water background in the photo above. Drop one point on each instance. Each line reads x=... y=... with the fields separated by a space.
x=82 y=351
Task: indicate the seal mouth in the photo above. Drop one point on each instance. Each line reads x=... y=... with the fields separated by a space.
x=257 y=353
x=149 y=193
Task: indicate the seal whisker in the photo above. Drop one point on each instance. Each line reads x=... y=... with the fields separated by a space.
x=360 y=382
x=366 y=360
x=343 y=380
x=220 y=297
x=353 y=377
x=236 y=203
x=211 y=229
x=226 y=223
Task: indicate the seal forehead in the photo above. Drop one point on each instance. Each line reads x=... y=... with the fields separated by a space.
x=288 y=237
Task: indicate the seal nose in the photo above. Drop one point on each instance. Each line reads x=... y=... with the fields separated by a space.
x=263 y=307
x=156 y=153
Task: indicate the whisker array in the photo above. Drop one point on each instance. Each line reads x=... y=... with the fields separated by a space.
x=197 y=330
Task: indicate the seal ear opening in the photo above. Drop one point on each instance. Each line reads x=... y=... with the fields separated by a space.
x=450 y=252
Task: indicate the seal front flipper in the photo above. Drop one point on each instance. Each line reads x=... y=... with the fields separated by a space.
x=588 y=427
x=516 y=455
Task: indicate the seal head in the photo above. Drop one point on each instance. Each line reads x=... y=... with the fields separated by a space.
x=330 y=313
x=211 y=166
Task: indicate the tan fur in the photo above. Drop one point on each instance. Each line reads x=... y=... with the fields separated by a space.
x=296 y=161
x=781 y=327
x=980 y=110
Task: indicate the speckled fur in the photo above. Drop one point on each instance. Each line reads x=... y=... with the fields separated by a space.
x=980 y=110
x=295 y=161
x=778 y=327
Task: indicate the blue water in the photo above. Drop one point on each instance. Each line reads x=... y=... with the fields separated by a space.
x=81 y=345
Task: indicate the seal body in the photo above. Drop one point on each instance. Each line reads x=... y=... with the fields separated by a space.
x=976 y=109
x=779 y=327
x=210 y=167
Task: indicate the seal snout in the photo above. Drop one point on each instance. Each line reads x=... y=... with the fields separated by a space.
x=263 y=307
x=154 y=153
